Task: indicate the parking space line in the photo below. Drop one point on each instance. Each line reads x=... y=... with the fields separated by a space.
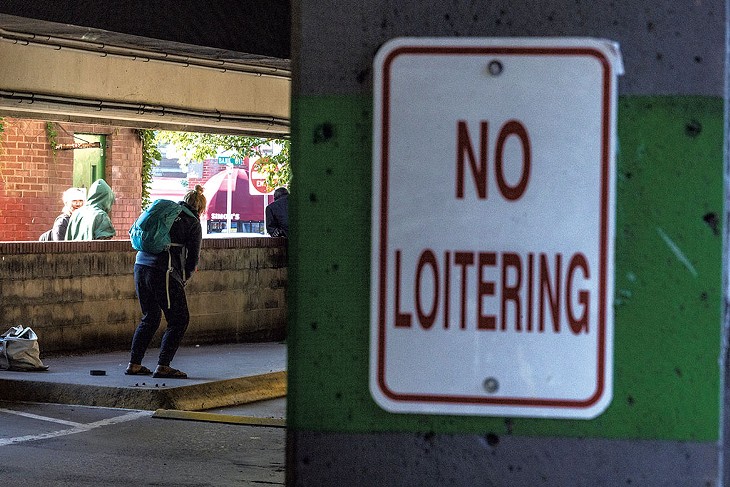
x=76 y=429
x=42 y=418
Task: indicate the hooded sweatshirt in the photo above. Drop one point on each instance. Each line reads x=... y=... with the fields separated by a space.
x=91 y=221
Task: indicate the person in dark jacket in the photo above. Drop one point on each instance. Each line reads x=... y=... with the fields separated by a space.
x=277 y=214
x=73 y=199
x=162 y=290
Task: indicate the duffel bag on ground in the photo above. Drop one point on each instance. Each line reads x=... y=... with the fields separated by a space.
x=19 y=350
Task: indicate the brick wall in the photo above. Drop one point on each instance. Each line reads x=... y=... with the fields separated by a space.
x=32 y=177
x=210 y=168
x=28 y=179
x=80 y=297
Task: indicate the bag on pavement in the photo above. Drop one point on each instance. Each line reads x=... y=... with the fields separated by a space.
x=19 y=350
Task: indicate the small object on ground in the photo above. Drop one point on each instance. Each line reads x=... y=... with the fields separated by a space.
x=97 y=372
x=164 y=372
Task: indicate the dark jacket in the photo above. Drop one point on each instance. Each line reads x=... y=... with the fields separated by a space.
x=58 y=232
x=277 y=217
x=59 y=227
x=186 y=231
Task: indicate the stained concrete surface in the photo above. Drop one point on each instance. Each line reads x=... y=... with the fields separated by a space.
x=219 y=376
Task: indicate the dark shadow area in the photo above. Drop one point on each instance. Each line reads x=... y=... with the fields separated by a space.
x=259 y=27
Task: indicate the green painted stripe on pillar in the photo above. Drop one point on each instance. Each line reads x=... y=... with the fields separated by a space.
x=668 y=277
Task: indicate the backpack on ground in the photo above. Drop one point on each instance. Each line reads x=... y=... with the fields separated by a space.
x=151 y=231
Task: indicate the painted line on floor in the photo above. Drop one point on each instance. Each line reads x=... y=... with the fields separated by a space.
x=81 y=428
x=219 y=418
x=42 y=418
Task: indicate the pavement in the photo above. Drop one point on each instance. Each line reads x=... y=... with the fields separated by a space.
x=219 y=376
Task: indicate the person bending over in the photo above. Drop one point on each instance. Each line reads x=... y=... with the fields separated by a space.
x=161 y=290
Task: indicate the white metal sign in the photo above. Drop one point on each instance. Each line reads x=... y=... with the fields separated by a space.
x=493 y=226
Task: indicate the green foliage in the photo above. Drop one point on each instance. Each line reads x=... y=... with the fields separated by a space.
x=52 y=136
x=199 y=146
x=150 y=157
x=277 y=167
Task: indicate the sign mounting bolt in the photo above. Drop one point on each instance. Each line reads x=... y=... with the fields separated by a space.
x=495 y=68
x=491 y=385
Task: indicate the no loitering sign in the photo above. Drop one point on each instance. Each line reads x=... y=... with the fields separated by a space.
x=493 y=226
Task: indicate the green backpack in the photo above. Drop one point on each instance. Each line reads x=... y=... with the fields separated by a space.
x=151 y=231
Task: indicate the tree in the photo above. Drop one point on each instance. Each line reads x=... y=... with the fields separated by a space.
x=198 y=147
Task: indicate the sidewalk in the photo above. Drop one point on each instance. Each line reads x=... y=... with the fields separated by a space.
x=218 y=376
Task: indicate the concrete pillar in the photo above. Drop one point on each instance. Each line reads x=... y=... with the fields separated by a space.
x=663 y=425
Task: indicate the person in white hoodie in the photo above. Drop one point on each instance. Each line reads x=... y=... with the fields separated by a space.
x=73 y=199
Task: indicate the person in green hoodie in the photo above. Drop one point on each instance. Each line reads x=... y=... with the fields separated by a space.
x=91 y=221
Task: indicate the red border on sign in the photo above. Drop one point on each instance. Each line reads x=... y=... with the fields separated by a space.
x=605 y=188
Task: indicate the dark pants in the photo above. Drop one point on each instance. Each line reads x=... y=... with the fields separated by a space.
x=152 y=295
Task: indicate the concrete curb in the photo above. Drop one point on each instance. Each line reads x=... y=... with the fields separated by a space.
x=219 y=418
x=197 y=397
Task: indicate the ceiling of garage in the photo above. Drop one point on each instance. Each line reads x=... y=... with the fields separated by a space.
x=223 y=69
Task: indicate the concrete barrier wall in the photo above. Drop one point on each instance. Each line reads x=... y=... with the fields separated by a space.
x=79 y=296
x=663 y=427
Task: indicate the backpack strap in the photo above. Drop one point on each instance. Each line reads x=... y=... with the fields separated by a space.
x=183 y=254
x=169 y=270
x=185 y=209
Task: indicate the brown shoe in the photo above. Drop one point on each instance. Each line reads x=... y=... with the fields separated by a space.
x=137 y=369
x=165 y=372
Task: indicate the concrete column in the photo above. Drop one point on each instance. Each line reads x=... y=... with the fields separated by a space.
x=663 y=425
